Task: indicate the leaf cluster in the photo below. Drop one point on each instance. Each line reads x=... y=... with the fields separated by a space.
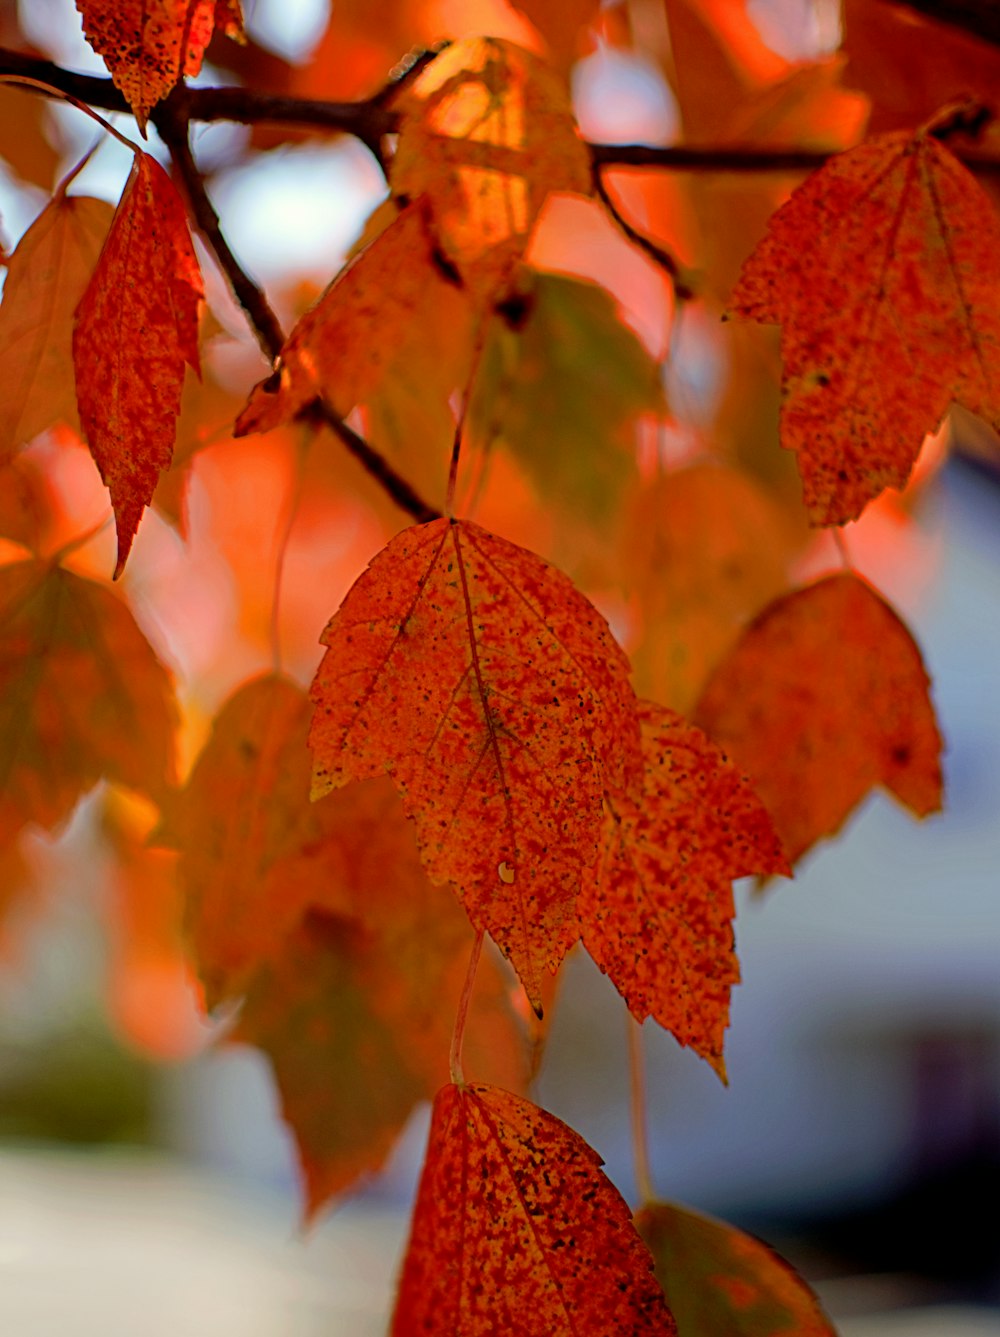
x=581 y=691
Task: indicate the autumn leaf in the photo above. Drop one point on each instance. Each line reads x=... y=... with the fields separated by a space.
x=703 y=548
x=562 y=23
x=152 y=995
x=136 y=327
x=719 y=1280
x=824 y=697
x=342 y=347
x=46 y=277
x=516 y=1230
x=148 y=44
x=255 y=853
x=24 y=144
x=487 y=133
x=351 y=961
x=27 y=502
x=656 y=910
x=493 y=693
x=883 y=270
x=560 y=385
x=82 y=696
x=356 y=1023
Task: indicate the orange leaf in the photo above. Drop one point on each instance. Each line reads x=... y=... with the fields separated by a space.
x=656 y=911
x=494 y=694
x=487 y=134
x=46 y=277
x=516 y=1230
x=356 y=1023
x=136 y=327
x=562 y=23
x=148 y=44
x=343 y=346
x=82 y=696
x=704 y=548
x=719 y=1280
x=152 y=995
x=883 y=270
x=824 y=697
x=255 y=853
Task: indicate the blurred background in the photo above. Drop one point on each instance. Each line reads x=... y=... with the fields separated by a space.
x=146 y=1181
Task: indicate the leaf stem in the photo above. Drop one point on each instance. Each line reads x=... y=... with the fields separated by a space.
x=479 y=344
x=24 y=81
x=292 y=510
x=840 y=540
x=660 y=257
x=462 y=1016
x=637 y=1094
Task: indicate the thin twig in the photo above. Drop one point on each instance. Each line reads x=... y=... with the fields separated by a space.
x=371 y=119
x=462 y=1016
x=658 y=254
x=251 y=298
x=405 y=496
x=637 y=1093
x=265 y=323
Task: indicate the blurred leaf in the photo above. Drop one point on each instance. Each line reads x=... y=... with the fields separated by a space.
x=561 y=384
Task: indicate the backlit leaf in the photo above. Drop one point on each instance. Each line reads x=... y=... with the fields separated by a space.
x=255 y=853
x=24 y=144
x=656 y=911
x=494 y=694
x=718 y=1280
x=883 y=270
x=82 y=696
x=46 y=277
x=824 y=697
x=561 y=383
x=136 y=327
x=342 y=346
x=148 y=44
x=356 y=1018
x=487 y=134
x=153 y=998
x=703 y=549
x=516 y=1230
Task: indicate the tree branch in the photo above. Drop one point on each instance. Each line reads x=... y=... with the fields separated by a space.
x=369 y=120
x=264 y=322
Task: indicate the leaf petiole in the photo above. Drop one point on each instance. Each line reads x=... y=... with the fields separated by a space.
x=455 y=1058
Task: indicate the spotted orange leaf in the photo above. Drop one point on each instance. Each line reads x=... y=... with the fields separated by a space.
x=495 y=695
x=136 y=327
x=148 y=44
x=487 y=133
x=656 y=910
x=719 y=1280
x=46 y=277
x=883 y=270
x=82 y=697
x=342 y=347
x=356 y=1022
x=824 y=697
x=516 y=1230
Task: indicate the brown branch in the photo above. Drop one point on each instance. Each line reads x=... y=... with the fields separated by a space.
x=658 y=254
x=262 y=319
x=369 y=120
